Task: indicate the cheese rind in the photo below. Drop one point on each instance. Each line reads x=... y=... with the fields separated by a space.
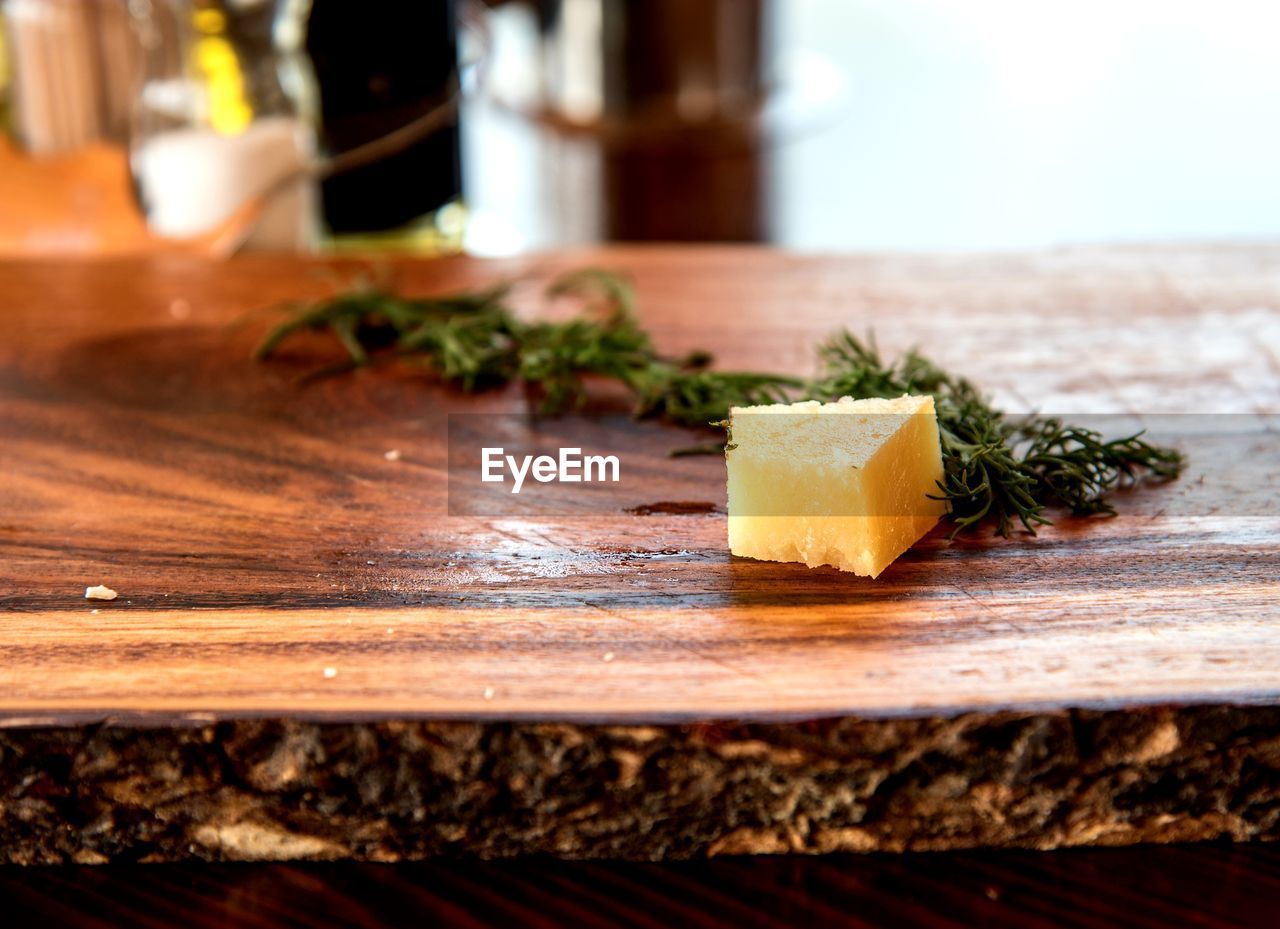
x=846 y=484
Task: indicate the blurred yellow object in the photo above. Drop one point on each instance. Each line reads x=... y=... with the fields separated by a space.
x=209 y=20
x=219 y=69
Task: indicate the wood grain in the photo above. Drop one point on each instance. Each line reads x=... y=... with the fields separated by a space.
x=258 y=535
x=1208 y=886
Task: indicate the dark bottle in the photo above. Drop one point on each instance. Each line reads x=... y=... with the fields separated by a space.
x=379 y=65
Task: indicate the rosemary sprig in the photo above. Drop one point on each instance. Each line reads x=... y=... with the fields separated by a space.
x=995 y=468
x=700 y=398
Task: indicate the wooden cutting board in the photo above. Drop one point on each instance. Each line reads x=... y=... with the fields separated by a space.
x=292 y=601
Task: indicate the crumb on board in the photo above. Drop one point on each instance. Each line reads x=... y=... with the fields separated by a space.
x=608 y=656
x=392 y=455
x=94 y=612
x=100 y=592
x=488 y=693
x=330 y=672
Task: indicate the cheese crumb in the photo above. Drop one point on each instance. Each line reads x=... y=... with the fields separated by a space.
x=330 y=672
x=100 y=592
x=393 y=455
x=488 y=693
x=608 y=656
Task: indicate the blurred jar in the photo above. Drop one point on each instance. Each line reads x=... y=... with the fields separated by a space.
x=224 y=121
x=67 y=73
x=654 y=65
x=644 y=104
x=335 y=127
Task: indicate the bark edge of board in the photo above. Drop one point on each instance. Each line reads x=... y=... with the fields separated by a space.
x=281 y=789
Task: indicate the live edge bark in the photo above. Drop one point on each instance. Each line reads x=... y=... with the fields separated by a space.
x=280 y=789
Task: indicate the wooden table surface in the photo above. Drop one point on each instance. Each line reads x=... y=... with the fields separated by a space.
x=258 y=535
x=361 y=669
x=76 y=204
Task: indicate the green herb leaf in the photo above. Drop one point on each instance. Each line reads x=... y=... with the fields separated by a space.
x=995 y=469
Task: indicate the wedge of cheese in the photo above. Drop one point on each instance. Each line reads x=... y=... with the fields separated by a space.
x=845 y=484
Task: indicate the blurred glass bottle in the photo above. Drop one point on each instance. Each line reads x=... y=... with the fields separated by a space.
x=642 y=104
x=224 y=121
x=288 y=124
x=67 y=70
x=380 y=67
